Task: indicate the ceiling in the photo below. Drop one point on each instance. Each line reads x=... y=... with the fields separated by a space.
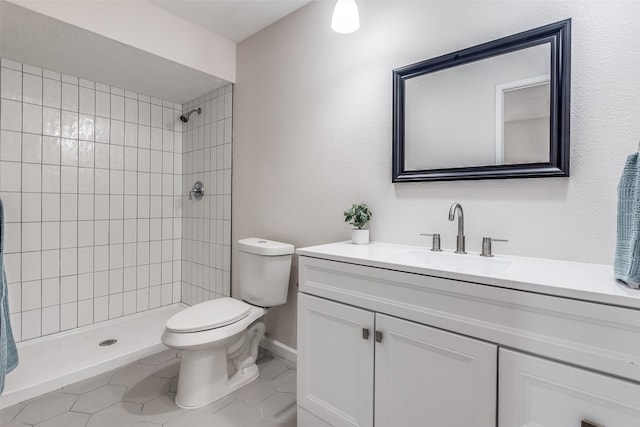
x=232 y=19
x=40 y=40
x=36 y=39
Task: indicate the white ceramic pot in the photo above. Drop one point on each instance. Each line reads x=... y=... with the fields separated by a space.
x=360 y=237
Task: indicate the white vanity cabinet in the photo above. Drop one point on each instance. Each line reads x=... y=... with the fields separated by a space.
x=419 y=373
x=335 y=361
x=426 y=376
x=452 y=352
x=539 y=392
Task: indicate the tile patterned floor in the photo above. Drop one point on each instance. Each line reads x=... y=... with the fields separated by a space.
x=142 y=395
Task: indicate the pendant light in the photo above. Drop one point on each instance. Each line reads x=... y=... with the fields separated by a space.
x=345 y=17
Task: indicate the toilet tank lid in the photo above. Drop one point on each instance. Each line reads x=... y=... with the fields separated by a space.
x=258 y=246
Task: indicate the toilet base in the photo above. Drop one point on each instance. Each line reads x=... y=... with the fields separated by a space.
x=205 y=373
x=189 y=398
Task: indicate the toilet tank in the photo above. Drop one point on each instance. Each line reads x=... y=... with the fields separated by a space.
x=264 y=270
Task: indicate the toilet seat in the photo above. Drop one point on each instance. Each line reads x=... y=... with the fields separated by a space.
x=208 y=315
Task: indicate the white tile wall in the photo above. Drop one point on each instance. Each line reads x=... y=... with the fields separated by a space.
x=206 y=224
x=90 y=178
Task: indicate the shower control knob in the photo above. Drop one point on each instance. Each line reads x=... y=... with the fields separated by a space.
x=197 y=191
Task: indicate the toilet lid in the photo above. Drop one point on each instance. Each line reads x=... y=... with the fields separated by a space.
x=208 y=315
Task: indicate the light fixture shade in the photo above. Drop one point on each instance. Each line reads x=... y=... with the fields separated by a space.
x=345 y=17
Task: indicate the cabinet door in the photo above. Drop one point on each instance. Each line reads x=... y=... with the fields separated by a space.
x=536 y=392
x=335 y=362
x=429 y=377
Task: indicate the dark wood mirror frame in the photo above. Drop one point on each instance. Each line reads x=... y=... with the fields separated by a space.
x=559 y=36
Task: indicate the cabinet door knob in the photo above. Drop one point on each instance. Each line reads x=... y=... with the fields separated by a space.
x=586 y=423
x=378 y=336
x=365 y=333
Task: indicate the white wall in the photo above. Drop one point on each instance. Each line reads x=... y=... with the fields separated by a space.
x=312 y=126
x=90 y=176
x=206 y=223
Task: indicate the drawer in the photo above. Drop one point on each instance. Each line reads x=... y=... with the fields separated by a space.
x=537 y=392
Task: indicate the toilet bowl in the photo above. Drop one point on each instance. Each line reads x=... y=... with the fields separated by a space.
x=228 y=335
x=219 y=338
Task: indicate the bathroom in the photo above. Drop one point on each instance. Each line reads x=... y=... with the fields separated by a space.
x=304 y=131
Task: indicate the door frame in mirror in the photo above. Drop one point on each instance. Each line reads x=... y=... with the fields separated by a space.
x=559 y=36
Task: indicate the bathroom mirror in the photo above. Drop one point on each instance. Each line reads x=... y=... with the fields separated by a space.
x=496 y=110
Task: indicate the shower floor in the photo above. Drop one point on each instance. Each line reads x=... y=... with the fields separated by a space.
x=142 y=395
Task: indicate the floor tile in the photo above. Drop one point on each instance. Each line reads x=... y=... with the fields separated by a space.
x=168 y=369
x=143 y=395
x=286 y=382
x=16 y=424
x=48 y=407
x=37 y=398
x=162 y=409
x=8 y=414
x=270 y=424
x=238 y=414
x=192 y=419
x=147 y=390
x=291 y=365
x=218 y=404
x=272 y=368
x=121 y=414
x=68 y=419
x=99 y=399
x=131 y=375
x=255 y=392
x=89 y=384
x=279 y=408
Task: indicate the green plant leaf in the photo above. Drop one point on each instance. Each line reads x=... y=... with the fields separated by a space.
x=359 y=215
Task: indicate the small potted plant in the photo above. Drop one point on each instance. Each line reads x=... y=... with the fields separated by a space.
x=358 y=216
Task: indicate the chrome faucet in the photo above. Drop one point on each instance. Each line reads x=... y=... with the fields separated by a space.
x=452 y=214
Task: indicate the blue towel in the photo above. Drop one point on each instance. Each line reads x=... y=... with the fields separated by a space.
x=8 y=350
x=627 y=262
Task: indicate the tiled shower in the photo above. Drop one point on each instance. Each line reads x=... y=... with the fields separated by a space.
x=206 y=251
x=94 y=180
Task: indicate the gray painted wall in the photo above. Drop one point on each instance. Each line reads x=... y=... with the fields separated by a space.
x=312 y=132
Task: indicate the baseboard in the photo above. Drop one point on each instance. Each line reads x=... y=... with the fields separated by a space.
x=276 y=347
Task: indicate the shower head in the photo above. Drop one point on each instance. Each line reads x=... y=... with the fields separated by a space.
x=185 y=116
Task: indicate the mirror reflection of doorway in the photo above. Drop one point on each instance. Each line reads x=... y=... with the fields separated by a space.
x=522 y=121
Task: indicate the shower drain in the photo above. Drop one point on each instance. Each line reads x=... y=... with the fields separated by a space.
x=105 y=343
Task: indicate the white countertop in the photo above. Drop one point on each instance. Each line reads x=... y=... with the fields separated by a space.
x=576 y=280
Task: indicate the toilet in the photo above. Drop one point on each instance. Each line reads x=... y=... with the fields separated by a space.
x=219 y=338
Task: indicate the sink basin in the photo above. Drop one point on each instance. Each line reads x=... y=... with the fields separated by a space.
x=464 y=263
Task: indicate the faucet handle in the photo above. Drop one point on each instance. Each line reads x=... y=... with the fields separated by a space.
x=197 y=191
x=486 y=245
x=435 y=243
